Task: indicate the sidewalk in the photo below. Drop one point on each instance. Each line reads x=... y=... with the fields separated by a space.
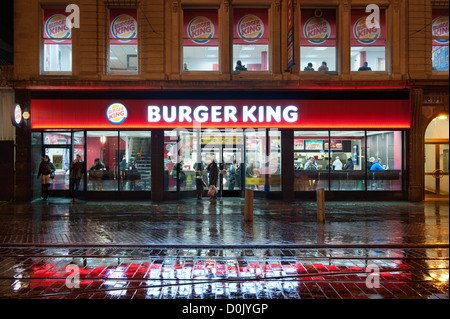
x=192 y=249
x=193 y=222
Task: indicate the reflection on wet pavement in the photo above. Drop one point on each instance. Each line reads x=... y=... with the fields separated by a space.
x=200 y=222
x=215 y=273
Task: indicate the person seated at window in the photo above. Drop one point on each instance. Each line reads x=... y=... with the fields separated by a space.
x=365 y=67
x=132 y=165
x=239 y=66
x=376 y=166
x=323 y=67
x=309 y=67
x=98 y=165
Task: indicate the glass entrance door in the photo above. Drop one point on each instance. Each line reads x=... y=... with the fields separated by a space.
x=226 y=149
x=436 y=170
x=60 y=157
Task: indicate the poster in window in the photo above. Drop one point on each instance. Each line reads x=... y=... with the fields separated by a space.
x=123 y=26
x=250 y=26
x=362 y=35
x=318 y=28
x=201 y=28
x=55 y=29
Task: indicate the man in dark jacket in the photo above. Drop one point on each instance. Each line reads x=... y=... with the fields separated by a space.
x=76 y=172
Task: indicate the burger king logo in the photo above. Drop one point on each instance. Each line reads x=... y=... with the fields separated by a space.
x=363 y=34
x=124 y=27
x=116 y=113
x=318 y=28
x=56 y=28
x=440 y=29
x=201 y=29
x=17 y=114
x=250 y=28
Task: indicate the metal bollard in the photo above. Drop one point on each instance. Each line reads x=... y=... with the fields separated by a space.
x=248 y=208
x=320 y=205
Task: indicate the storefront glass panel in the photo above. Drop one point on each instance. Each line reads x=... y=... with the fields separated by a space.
x=347 y=170
x=78 y=149
x=274 y=161
x=311 y=160
x=384 y=164
x=102 y=160
x=255 y=160
x=135 y=160
x=36 y=158
x=170 y=159
x=60 y=157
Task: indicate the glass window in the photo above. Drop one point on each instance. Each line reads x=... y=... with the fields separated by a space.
x=57 y=42
x=318 y=40
x=250 y=40
x=171 y=157
x=384 y=164
x=368 y=44
x=123 y=41
x=255 y=159
x=60 y=138
x=347 y=170
x=60 y=157
x=200 y=40
x=274 y=165
x=78 y=149
x=311 y=160
x=101 y=160
x=135 y=160
x=440 y=39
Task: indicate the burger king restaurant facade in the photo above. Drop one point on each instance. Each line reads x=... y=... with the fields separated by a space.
x=260 y=140
x=143 y=88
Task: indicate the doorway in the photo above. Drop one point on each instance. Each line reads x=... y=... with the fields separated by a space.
x=436 y=173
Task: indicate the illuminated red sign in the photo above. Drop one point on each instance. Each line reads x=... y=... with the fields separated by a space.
x=145 y=114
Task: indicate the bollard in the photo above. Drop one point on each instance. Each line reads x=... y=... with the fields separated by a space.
x=248 y=208
x=320 y=205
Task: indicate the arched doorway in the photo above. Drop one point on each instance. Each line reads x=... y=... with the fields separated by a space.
x=437 y=158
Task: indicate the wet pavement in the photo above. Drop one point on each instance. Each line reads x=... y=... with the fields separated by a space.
x=192 y=249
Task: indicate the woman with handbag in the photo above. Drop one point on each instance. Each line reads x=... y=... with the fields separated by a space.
x=47 y=170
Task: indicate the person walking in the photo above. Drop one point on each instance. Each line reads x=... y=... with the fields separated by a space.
x=213 y=170
x=76 y=172
x=47 y=170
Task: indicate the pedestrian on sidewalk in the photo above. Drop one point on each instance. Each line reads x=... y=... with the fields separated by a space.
x=47 y=170
x=200 y=184
x=76 y=173
x=213 y=170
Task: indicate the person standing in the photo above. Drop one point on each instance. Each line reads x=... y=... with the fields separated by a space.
x=200 y=184
x=76 y=172
x=213 y=170
x=349 y=165
x=337 y=164
x=47 y=170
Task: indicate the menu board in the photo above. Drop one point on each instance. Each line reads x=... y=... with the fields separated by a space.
x=335 y=145
x=315 y=145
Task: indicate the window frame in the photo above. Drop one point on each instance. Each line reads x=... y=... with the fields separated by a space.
x=43 y=38
x=108 y=70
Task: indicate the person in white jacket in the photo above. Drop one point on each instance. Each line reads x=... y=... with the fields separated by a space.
x=337 y=164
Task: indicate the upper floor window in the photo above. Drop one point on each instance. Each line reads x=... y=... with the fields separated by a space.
x=123 y=41
x=368 y=44
x=440 y=40
x=56 y=43
x=318 y=40
x=250 y=39
x=200 y=40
